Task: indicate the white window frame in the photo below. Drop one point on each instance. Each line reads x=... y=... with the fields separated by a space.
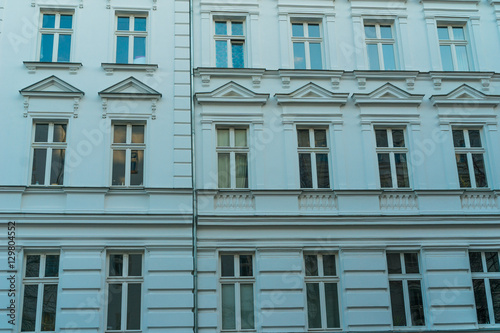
x=128 y=146
x=321 y=279
x=391 y=150
x=379 y=41
x=232 y=151
x=124 y=280
x=40 y=281
x=56 y=31
x=453 y=43
x=313 y=151
x=49 y=146
x=131 y=34
x=307 y=40
x=468 y=150
x=230 y=40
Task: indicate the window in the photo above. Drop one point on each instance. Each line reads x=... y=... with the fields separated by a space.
x=392 y=158
x=453 y=48
x=313 y=158
x=55 y=37
x=124 y=284
x=406 y=290
x=128 y=154
x=322 y=291
x=237 y=294
x=48 y=151
x=469 y=154
x=380 y=46
x=131 y=36
x=40 y=282
x=485 y=270
x=306 y=41
x=232 y=157
x=229 y=43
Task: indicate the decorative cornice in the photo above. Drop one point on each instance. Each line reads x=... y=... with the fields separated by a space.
x=231 y=92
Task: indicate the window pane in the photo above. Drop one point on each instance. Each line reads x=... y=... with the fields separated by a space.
x=319 y=138
x=381 y=137
x=223 y=138
x=59 y=133
x=139 y=50
x=238 y=55
x=140 y=24
x=479 y=171
x=458 y=138
x=299 y=55
x=246 y=265
x=297 y=30
x=370 y=31
x=114 y=307
x=223 y=171
x=314 y=30
x=492 y=261
x=66 y=22
x=481 y=303
x=462 y=60
x=52 y=266
x=228 y=307
x=46 y=48
x=303 y=138
x=402 y=170
x=49 y=21
x=397 y=303
x=474 y=138
x=137 y=133
x=227 y=265
x=64 y=48
x=458 y=33
x=311 y=263
x=49 y=307
x=118 y=167
x=246 y=297
x=42 y=133
x=398 y=138
x=116 y=265
x=411 y=263
x=416 y=303
x=221 y=53
x=446 y=57
x=332 y=305
x=384 y=166
x=373 y=56
x=394 y=263
x=443 y=33
x=240 y=137
x=476 y=264
x=123 y=23
x=32 y=266
x=322 y=171
x=237 y=28
x=136 y=167
x=463 y=170
x=313 y=306
x=220 y=28
x=122 y=49
x=329 y=268
x=389 y=58
x=39 y=164
x=315 y=53
x=134 y=306
x=29 y=308
x=135 y=265
x=385 y=31
x=305 y=171
x=495 y=298
x=120 y=134
x=241 y=171
x=57 y=167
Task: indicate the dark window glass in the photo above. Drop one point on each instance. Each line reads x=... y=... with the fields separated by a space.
x=246 y=268
x=402 y=170
x=394 y=263
x=329 y=268
x=135 y=265
x=52 y=266
x=32 y=266
x=57 y=167
x=384 y=166
x=381 y=137
x=227 y=265
x=118 y=167
x=66 y=22
x=134 y=306
x=481 y=303
x=136 y=167
x=305 y=171
x=39 y=166
x=64 y=48
x=49 y=307
x=332 y=305
x=122 y=49
x=458 y=138
x=319 y=138
x=416 y=303
x=411 y=263
x=46 y=47
x=398 y=138
x=463 y=170
x=49 y=21
x=140 y=24
x=241 y=170
x=495 y=297
x=313 y=305
x=311 y=263
x=139 y=50
x=59 y=133
x=220 y=28
x=42 y=133
x=116 y=265
x=246 y=305
x=492 y=261
x=137 y=133
x=479 y=170
x=303 y=138
x=322 y=170
x=114 y=307
x=476 y=263
x=123 y=23
x=120 y=134
x=29 y=308
x=474 y=138
x=397 y=303
x=228 y=307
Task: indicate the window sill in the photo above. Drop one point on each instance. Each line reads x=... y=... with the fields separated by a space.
x=408 y=76
x=287 y=74
x=207 y=73
x=33 y=66
x=484 y=77
x=111 y=67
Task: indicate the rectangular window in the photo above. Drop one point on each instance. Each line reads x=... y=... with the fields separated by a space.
x=453 y=47
x=128 y=154
x=55 y=37
x=485 y=271
x=232 y=157
x=322 y=280
x=40 y=283
x=405 y=289
x=229 y=43
x=306 y=41
x=380 y=46
x=392 y=158
x=131 y=34
x=313 y=158
x=237 y=291
x=48 y=152
x=124 y=286
x=469 y=154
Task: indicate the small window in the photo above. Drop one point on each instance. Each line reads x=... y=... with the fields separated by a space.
x=453 y=46
x=232 y=157
x=306 y=42
x=313 y=158
x=128 y=154
x=469 y=155
x=131 y=35
x=56 y=32
x=485 y=271
x=229 y=38
x=380 y=46
x=392 y=158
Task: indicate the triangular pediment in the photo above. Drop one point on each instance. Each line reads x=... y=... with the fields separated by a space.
x=232 y=92
x=312 y=93
x=388 y=94
x=130 y=88
x=465 y=95
x=51 y=87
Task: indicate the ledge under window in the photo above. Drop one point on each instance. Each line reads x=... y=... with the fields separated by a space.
x=206 y=73
x=111 y=67
x=72 y=67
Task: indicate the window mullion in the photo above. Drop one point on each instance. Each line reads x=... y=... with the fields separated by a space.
x=407 y=302
x=123 y=323
x=128 y=154
x=307 y=54
x=322 y=303
x=472 y=173
x=454 y=57
x=39 y=304
x=48 y=166
x=489 y=301
x=380 y=56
